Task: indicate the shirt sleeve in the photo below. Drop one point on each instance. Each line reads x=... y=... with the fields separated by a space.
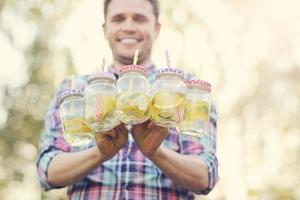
x=52 y=140
x=205 y=148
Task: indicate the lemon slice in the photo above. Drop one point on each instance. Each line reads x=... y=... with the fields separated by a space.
x=141 y=101
x=167 y=100
x=108 y=103
x=86 y=129
x=129 y=101
x=197 y=111
x=74 y=126
x=97 y=107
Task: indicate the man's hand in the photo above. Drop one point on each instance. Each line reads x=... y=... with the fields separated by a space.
x=110 y=142
x=149 y=137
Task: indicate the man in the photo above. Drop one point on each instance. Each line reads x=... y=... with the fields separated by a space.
x=145 y=162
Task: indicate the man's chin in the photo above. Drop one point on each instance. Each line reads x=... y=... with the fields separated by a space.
x=128 y=49
x=128 y=53
x=126 y=59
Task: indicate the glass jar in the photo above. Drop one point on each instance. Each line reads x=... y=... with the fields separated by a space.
x=195 y=120
x=133 y=94
x=168 y=96
x=100 y=102
x=71 y=108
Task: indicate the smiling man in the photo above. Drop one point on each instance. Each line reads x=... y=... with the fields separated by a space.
x=145 y=162
x=131 y=25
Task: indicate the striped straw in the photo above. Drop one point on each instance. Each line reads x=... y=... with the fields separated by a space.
x=97 y=115
x=178 y=114
x=103 y=65
x=168 y=58
x=98 y=108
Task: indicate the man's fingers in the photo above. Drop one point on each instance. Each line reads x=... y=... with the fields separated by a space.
x=121 y=129
x=105 y=134
x=150 y=125
x=112 y=133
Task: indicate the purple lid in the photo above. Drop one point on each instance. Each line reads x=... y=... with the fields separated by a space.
x=170 y=70
x=102 y=75
x=68 y=93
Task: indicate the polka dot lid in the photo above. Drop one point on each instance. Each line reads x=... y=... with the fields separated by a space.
x=200 y=84
x=68 y=93
x=170 y=70
x=102 y=75
x=133 y=68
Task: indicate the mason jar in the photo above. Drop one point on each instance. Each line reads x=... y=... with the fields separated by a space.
x=100 y=102
x=133 y=94
x=167 y=97
x=71 y=108
x=196 y=115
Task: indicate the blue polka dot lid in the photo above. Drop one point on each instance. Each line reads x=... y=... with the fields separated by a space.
x=102 y=75
x=69 y=93
x=171 y=71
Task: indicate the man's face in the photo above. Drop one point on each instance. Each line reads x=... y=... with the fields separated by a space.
x=130 y=25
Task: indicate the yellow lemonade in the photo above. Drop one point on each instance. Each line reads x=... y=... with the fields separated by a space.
x=76 y=132
x=133 y=107
x=198 y=110
x=195 y=119
x=167 y=108
x=100 y=113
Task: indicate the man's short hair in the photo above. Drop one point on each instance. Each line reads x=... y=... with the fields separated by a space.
x=154 y=3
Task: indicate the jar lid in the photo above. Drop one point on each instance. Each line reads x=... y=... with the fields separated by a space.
x=133 y=68
x=170 y=70
x=200 y=84
x=102 y=75
x=69 y=93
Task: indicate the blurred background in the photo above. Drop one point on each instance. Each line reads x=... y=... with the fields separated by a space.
x=248 y=49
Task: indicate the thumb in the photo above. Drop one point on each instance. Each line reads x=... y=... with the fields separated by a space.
x=151 y=125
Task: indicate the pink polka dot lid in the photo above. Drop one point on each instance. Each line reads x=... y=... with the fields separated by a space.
x=200 y=84
x=133 y=68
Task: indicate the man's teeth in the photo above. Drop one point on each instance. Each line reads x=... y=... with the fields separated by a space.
x=129 y=41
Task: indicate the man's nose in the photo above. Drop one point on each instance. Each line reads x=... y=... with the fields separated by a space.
x=129 y=25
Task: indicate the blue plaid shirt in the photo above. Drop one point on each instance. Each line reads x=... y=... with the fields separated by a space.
x=129 y=174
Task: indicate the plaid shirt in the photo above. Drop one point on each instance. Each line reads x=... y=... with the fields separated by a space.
x=128 y=175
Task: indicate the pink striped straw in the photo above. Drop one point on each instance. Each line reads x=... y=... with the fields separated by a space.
x=97 y=115
x=97 y=110
x=103 y=65
x=168 y=58
x=178 y=114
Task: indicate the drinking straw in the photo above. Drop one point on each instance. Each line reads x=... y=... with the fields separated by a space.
x=97 y=110
x=98 y=99
x=97 y=114
x=168 y=58
x=136 y=56
x=103 y=65
x=72 y=87
x=178 y=114
x=135 y=59
x=169 y=65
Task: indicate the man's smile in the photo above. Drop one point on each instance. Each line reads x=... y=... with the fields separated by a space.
x=129 y=40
